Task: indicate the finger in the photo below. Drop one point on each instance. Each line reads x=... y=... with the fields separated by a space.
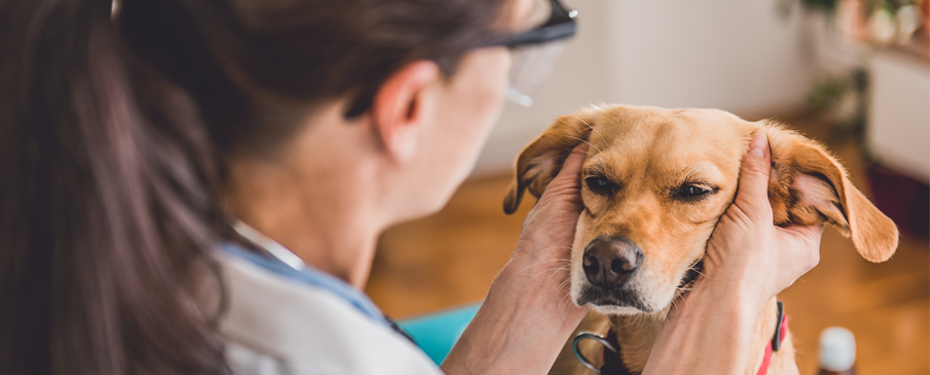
x=571 y=168
x=807 y=250
x=813 y=232
x=752 y=197
x=572 y=165
x=567 y=182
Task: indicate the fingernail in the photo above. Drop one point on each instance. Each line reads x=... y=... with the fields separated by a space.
x=757 y=145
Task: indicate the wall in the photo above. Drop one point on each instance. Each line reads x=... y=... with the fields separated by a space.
x=734 y=55
x=898 y=135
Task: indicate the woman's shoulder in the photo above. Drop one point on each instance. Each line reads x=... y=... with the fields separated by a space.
x=275 y=325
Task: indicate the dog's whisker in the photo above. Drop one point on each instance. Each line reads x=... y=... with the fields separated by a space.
x=567 y=299
x=591 y=127
x=557 y=247
x=556 y=271
x=589 y=143
x=567 y=295
x=559 y=291
x=543 y=262
x=561 y=260
x=702 y=274
x=567 y=302
x=542 y=205
x=553 y=270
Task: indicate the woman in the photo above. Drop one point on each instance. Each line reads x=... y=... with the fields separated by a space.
x=197 y=187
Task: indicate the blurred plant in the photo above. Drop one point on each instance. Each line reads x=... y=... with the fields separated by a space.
x=784 y=7
x=830 y=6
x=821 y=5
x=842 y=102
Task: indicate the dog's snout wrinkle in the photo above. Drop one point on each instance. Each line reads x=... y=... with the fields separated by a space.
x=609 y=261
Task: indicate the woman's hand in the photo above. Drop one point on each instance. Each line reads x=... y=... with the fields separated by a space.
x=749 y=260
x=746 y=250
x=549 y=229
x=528 y=314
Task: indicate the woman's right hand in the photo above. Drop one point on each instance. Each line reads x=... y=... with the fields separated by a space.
x=528 y=314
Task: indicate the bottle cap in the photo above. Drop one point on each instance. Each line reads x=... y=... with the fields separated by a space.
x=837 y=349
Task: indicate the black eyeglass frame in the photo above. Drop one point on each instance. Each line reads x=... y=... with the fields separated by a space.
x=560 y=25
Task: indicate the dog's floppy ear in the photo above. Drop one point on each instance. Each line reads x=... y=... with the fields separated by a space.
x=808 y=186
x=541 y=161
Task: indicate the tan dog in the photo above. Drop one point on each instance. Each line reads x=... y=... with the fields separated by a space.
x=654 y=183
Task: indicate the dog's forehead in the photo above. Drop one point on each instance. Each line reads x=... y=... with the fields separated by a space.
x=684 y=135
x=627 y=124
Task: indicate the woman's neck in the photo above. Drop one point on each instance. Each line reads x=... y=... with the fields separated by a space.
x=324 y=211
x=329 y=234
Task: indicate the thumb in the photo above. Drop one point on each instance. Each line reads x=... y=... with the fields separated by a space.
x=752 y=197
x=567 y=181
x=572 y=165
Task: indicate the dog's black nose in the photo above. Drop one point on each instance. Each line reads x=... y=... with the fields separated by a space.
x=609 y=261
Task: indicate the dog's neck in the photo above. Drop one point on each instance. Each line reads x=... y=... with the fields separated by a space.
x=636 y=334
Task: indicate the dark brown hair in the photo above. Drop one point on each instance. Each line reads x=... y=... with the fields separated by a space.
x=112 y=141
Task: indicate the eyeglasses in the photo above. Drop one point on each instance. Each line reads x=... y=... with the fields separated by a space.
x=535 y=51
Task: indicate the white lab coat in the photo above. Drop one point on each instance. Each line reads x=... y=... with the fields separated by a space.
x=274 y=325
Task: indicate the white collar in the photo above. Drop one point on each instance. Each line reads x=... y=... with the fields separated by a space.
x=271 y=246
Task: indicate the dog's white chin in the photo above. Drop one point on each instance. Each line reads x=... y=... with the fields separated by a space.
x=617 y=310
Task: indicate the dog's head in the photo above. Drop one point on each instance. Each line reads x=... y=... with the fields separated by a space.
x=655 y=182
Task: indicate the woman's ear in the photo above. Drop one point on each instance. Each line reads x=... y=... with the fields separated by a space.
x=397 y=112
x=541 y=161
x=808 y=186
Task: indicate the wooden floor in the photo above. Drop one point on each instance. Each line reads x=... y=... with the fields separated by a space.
x=451 y=258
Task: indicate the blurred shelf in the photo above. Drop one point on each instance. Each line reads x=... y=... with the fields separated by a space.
x=918 y=51
x=898 y=131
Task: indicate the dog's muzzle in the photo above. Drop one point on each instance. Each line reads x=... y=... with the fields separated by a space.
x=609 y=261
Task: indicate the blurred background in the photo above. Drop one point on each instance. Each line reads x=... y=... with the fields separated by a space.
x=854 y=74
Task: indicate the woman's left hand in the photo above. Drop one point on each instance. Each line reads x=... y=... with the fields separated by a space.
x=749 y=260
x=528 y=314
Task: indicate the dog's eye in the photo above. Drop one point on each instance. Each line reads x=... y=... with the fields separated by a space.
x=693 y=191
x=600 y=185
